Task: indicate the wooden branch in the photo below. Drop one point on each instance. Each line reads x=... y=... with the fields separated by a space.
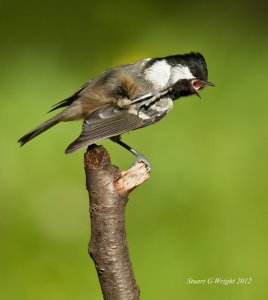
x=108 y=192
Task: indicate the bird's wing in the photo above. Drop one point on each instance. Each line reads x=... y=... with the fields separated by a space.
x=103 y=123
x=110 y=121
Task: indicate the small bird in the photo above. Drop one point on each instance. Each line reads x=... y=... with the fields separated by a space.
x=128 y=97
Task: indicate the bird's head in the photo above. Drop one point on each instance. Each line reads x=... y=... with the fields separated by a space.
x=189 y=74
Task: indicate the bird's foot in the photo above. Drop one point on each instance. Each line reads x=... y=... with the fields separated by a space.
x=143 y=159
x=123 y=102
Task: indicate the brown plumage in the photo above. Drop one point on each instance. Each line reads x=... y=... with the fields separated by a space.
x=110 y=88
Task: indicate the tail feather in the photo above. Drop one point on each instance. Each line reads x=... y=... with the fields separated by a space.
x=39 y=129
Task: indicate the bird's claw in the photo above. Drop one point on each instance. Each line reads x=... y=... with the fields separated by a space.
x=143 y=159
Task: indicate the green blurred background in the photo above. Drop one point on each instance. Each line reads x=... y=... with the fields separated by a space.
x=204 y=211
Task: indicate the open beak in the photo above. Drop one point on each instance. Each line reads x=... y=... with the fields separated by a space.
x=198 y=84
x=197 y=94
x=207 y=83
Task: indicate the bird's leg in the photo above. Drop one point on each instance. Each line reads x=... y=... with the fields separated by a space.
x=123 y=102
x=140 y=157
x=151 y=97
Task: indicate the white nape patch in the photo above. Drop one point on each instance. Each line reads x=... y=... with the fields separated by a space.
x=159 y=73
x=180 y=72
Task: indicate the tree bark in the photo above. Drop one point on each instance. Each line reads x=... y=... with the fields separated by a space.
x=108 y=189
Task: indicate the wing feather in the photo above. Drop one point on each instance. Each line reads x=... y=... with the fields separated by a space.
x=104 y=123
x=68 y=101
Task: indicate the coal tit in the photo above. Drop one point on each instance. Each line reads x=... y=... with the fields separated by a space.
x=128 y=97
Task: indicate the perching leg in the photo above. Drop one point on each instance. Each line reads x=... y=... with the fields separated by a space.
x=140 y=157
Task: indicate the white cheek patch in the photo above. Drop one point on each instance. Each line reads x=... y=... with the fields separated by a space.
x=181 y=72
x=159 y=73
